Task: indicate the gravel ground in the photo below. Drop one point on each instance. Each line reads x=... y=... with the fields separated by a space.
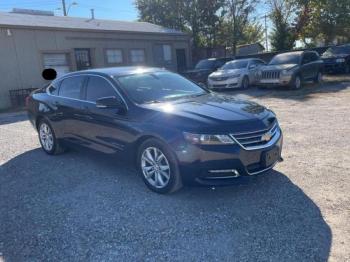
x=88 y=207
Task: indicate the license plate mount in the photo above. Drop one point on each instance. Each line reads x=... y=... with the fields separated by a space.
x=270 y=157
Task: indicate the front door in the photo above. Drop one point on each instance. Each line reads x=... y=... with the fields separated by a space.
x=106 y=129
x=82 y=58
x=181 y=60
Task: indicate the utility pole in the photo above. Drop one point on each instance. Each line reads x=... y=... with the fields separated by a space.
x=64 y=7
x=266 y=44
x=92 y=13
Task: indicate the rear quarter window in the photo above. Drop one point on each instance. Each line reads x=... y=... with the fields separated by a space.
x=52 y=89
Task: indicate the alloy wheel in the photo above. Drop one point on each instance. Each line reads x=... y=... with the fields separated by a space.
x=297 y=82
x=155 y=167
x=46 y=137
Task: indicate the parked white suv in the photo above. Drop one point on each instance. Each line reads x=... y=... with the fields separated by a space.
x=239 y=73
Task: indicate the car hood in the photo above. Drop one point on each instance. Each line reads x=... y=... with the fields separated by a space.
x=278 y=67
x=213 y=112
x=327 y=56
x=225 y=73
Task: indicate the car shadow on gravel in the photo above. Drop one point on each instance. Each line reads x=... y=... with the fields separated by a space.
x=82 y=206
x=10 y=118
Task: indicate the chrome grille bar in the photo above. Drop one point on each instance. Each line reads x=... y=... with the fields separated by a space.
x=255 y=139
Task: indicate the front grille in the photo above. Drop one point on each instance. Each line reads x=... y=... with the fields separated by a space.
x=222 y=78
x=255 y=139
x=270 y=75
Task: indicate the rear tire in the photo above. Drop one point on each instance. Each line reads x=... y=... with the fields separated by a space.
x=158 y=167
x=49 y=142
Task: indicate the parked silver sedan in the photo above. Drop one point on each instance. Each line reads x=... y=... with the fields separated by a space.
x=239 y=73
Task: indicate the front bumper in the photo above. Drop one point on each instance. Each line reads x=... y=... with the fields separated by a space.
x=228 y=83
x=282 y=81
x=334 y=67
x=223 y=164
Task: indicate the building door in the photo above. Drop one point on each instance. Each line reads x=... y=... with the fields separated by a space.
x=57 y=61
x=82 y=58
x=181 y=60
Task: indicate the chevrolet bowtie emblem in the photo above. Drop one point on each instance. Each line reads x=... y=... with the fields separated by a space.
x=266 y=137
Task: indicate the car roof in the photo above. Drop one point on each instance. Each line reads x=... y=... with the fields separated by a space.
x=217 y=58
x=245 y=60
x=118 y=71
x=293 y=52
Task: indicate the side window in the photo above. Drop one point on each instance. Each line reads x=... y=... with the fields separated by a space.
x=71 y=87
x=307 y=58
x=98 y=87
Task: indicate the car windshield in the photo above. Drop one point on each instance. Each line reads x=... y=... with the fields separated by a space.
x=336 y=50
x=158 y=87
x=234 y=65
x=205 y=64
x=290 y=58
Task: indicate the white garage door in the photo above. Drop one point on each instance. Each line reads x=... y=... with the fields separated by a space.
x=57 y=61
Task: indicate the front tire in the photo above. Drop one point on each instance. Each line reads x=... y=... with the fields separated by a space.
x=245 y=82
x=158 y=167
x=48 y=140
x=297 y=82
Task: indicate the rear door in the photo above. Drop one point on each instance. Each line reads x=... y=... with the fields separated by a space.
x=105 y=129
x=69 y=105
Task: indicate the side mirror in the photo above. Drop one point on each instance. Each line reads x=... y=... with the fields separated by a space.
x=110 y=102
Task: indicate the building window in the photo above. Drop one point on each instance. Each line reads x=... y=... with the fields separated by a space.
x=162 y=54
x=57 y=61
x=114 y=56
x=137 y=56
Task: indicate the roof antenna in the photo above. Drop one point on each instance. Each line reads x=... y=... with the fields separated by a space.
x=92 y=13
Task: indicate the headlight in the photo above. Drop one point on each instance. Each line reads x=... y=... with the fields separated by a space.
x=286 y=72
x=340 y=60
x=234 y=76
x=208 y=139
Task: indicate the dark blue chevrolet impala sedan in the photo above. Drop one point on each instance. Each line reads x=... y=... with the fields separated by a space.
x=177 y=131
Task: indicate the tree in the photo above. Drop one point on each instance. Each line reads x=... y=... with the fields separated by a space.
x=238 y=14
x=323 y=19
x=252 y=33
x=283 y=34
x=199 y=17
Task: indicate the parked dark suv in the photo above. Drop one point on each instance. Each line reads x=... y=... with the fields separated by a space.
x=337 y=59
x=175 y=130
x=292 y=69
x=204 y=68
